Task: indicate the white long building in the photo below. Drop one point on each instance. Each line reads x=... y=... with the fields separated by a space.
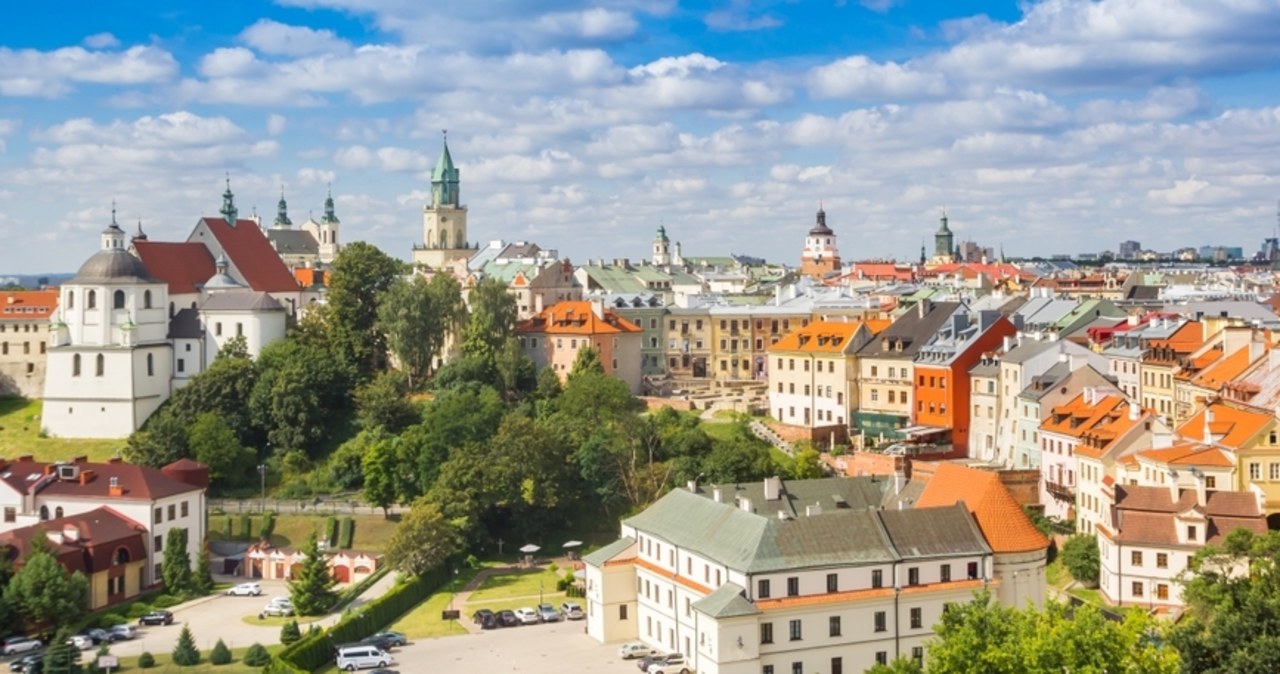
x=803 y=577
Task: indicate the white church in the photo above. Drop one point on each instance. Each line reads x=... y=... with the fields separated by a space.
x=139 y=320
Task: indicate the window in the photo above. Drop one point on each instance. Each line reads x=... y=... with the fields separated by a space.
x=794 y=629
x=1191 y=533
x=873 y=370
x=880 y=621
x=159 y=516
x=833 y=582
x=1162 y=591
x=1137 y=588
x=117 y=300
x=766 y=633
x=973 y=570
x=917 y=618
x=75 y=365
x=10 y=514
x=217 y=329
x=1135 y=558
x=71 y=300
x=768 y=669
x=239 y=329
x=837 y=665
x=157 y=544
x=146 y=299
x=57 y=512
x=1162 y=560
x=762 y=588
x=917 y=654
x=875 y=395
x=797 y=668
x=182 y=365
x=173 y=511
x=1273 y=470
x=622 y=612
x=882 y=657
x=793 y=586
x=91 y=300
x=185 y=511
x=877 y=578
x=913 y=576
x=1211 y=482
x=1255 y=470
x=833 y=626
x=151 y=365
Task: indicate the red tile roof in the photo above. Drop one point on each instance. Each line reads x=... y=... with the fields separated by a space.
x=252 y=254
x=1148 y=514
x=27 y=305
x=1225 y=370
x=1231 y=426
x=1189 y=454
x=137 y=482
x=184 y=266
x=576 y=317
x=98 y=535
x=1001 y=520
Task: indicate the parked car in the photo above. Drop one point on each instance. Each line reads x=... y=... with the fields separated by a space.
x=644 y=663
x=31 y=664
x=275 y=608
x=634 y=649
x=98 y=635
x=82 y=642
x=393 y=638
x=246 y=590
x=527 y=616
x=156 y=618
x=365 y=656
x=383 y=643
x=572 y=611
x=507 y=618
x=16 y=645
x=485 y=619
x=548 y=613
x=671 y=664
x=123 y=632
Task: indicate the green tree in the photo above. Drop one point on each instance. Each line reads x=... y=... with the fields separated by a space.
x=185 y=654
x=256 y=656
x=176 y=565
x=8 y=620
x=806 y=465
x=415 y=327
x=220 y=655
x=1080 y=556
x=361 y=274
x=491 y=321
x=380 y=475
x=62 y=657
x=346 y=465
x=457 y=417
x=215 y=444
x=384 y=403
x=898 y=665
x=290 y=633
x=146 y=660
x=312 y=589
x=516 y=372
x=202 y=576
x=300 y=393
x=739 y=457
x=422 y=541
x=44 y=593
x=592 y=400
x=587 y=360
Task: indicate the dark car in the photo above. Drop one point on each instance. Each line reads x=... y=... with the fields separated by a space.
x=507 y=618
x=383 y=642
x=32 y=664
x=485 y=618
x=393 y=638
x=643 y=663
x=156 y=618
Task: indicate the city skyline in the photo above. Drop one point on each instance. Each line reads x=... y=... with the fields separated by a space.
x=1060 y=126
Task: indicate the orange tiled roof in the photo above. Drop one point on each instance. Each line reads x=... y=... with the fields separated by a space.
x=1001 y=520
x=1105 y=421
x=1232 y=425
x=27 y=305
x=1225 y=370
x=1189 y=454
x=826 y=336
x=577 y=317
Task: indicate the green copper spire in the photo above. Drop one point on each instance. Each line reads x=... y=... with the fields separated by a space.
x=229 y=204
x=662 y=235
x=444 y=179
x=944 y=240
x=329 y=217
x=282 y=213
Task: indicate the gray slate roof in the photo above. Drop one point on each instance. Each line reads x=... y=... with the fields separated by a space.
x=293 y=241
x=727 y=601
x=934 y=532
x=185 y=325
x=599 y=557
x=241 y=300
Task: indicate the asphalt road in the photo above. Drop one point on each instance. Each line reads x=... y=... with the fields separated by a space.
x=551 y=648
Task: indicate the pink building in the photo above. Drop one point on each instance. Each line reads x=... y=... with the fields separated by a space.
x=554 y=336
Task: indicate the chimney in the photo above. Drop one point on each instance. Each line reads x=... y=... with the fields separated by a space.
x=1063 y=357
x=815 y=509
x=1008 y=343
x=86 y=476
x=772 y=488
x=25 y=457
x=692 y=485
x=784 y=515
x=597 y=307
x=1201 y=495
x=4 y=463
x=80 y=459
x=744 y=504
x=114 y=488
x=1132 y=320
x=1208 y=426
x=920 y=308
x=115 y=459
x=717 y=494
x=1135 y=411
x=1174 y=491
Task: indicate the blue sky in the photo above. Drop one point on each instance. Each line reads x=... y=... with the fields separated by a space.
x=1045 y=127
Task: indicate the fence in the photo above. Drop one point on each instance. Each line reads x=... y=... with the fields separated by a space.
x=300 y=506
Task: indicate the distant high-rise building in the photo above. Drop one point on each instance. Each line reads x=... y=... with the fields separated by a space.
x=1129 y=249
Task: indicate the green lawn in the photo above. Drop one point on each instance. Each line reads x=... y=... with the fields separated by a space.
x=164 y=663
x=20 y=435
x=424 y=620
x=372 y=531
x=521 y=585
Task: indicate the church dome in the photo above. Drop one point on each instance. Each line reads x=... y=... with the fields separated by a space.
x=820 y=227
x=113 y=266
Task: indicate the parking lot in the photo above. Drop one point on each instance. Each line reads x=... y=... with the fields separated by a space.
x=532 y=649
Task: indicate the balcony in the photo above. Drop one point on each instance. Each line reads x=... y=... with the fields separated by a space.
x=1060 y=491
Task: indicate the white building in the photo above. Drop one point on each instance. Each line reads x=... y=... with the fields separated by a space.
x=810 y=576
x=156 y=499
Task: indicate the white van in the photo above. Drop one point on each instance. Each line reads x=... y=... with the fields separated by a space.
x=362 y=656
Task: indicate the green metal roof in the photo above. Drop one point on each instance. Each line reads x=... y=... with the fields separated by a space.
x=727 y=601
x=599 y=557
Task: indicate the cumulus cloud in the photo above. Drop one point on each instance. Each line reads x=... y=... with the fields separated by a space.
x=48 y=74
x=860 y=77
x=272 y=37
x=276 y=124
x=594 y=24
x=101 y=41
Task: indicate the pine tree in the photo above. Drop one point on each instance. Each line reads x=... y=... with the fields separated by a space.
x=146 y=660
x=202 y=577
x=185 y=654
x=290 y=633
x=62 y=657
x=256 y=656
x=312 y=589
x=176 y=567
x=220 y=655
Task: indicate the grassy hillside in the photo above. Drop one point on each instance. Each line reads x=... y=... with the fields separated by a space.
x=371 y=533
x=20 y=434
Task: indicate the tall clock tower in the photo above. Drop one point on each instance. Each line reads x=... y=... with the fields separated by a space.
x=444 y=220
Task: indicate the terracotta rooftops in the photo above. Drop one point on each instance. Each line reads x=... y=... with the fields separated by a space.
x=88 y=542
x=1001 y=520
x=91 y=480
x=1096 y=420
x=1189 y=454
x=253 y=256
x=184 y=266
x=1228 y=426
x=826 y=336
x=1224 y=370
x=576 y=317
x=1149 y=515
x=27 y=305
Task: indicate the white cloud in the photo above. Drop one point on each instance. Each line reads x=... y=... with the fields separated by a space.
x=595 y=24
x=272 y=37
x=101 y=41
x=680 y=66
x=32 y=73
x=276 y=124
x=860 y=77
x=313 y=176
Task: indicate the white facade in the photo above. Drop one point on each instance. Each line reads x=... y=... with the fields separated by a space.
x=259 y=328
x=984 y=418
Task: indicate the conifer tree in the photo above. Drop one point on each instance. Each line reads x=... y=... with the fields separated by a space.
x=185 y=654
x=312 y=589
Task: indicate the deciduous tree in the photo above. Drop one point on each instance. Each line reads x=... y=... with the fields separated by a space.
x=422 y=541
x=414 y=329
x=491 y=320
x=380 y=475
x=361 y=274
x=44 y=594
x=383 y=403
x=215 y=444
x=1080 y=556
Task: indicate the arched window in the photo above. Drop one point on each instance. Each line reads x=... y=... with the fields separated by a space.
x=444 y=239
x=100 y=365
x=146 y=299
x=44 y=513
x=151 y=366
x=75 y=365
x=91 y=300
x=121 y=556
x=57 y=512
x=117 y=300
x=71 y=299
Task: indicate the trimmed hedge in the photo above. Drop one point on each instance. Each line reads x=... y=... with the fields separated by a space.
x=246 y=525
x=348 y=533
x=331 y=531
x=315 y=650
x=350 y=593
x=226 y=527
x=268 y=523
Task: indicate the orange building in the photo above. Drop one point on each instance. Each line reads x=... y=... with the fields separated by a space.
x=941 y=385
x=554 y=336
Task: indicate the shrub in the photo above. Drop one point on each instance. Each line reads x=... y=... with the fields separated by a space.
x=137 y=610
x=146 y=660
x=166 y=601
x=268 y=524
x=1080 y=556
x=331 y=531
x=290 y=632
x=553 y=567
x=348 y=532
x=220 y=655
x=245 y=526
x=111 y=619
x=226 y=527
x=185 y=654
x=256 y=656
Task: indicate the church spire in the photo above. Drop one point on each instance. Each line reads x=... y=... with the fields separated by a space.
x=329 y=217
x=229 y=204
x=282 y=213
x=444 y=178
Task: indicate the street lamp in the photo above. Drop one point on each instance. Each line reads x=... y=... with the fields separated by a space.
x=262 y=471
